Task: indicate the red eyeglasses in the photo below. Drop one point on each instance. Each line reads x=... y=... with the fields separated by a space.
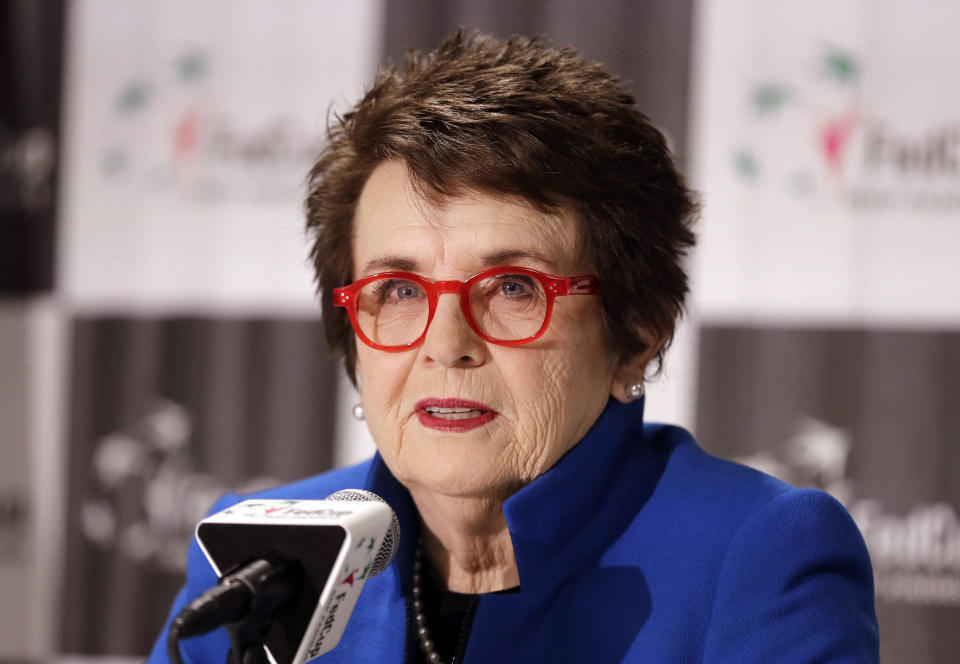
x=510 y=306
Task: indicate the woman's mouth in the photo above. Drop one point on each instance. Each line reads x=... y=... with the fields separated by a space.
x=453 y=415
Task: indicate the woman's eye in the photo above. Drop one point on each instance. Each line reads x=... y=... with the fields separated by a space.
x=401 y=290
x=513 y=288
x=393 y=290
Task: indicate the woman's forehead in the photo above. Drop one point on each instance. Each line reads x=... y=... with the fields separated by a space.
x=393 y=224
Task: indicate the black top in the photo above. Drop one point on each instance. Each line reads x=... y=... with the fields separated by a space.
x=449 y=616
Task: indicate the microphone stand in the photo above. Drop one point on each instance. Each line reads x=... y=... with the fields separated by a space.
x=248 y=634
x=246 y=640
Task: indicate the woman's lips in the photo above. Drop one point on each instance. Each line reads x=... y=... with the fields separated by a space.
x=453 y=415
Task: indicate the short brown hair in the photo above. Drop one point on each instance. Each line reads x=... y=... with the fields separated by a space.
x=520 y=119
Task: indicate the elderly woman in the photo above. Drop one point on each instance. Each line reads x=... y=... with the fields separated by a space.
x=498 y=243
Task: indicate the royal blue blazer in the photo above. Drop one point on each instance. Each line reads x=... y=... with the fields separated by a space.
x=637 y=546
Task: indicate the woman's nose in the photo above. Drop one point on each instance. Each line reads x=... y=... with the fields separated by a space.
x=450 y=341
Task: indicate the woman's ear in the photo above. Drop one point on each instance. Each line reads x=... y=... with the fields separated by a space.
x=629 y=374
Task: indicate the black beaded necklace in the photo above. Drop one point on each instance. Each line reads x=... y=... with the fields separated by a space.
x=457 y=620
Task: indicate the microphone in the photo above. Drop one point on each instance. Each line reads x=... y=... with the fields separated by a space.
x=290 y=571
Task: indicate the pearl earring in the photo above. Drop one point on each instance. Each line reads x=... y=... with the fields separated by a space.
x=635 y=390
x=358 y=411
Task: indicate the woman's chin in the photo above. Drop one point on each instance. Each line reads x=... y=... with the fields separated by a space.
x=460 y=477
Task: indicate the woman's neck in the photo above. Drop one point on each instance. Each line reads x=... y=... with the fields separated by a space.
x=467 y=541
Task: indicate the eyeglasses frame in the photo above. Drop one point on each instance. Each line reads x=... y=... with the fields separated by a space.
x=346 y=297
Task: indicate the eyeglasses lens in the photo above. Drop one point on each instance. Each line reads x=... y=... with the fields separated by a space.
x=392 y=312
x=508 y=307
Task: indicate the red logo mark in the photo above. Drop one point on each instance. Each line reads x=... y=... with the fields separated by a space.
x=349 y=578
x=834 y=137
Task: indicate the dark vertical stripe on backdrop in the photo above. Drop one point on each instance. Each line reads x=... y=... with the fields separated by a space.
x=31 y=49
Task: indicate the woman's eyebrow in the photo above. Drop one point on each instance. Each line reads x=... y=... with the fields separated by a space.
x=496 y=258
x=389 y=263
x=509 y=255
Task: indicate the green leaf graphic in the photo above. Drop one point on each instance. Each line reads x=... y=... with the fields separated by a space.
x=134 y=96
x=842 y=66
x=192 y=66
x=769 y=97
x=113 y=161
x=745 y=163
